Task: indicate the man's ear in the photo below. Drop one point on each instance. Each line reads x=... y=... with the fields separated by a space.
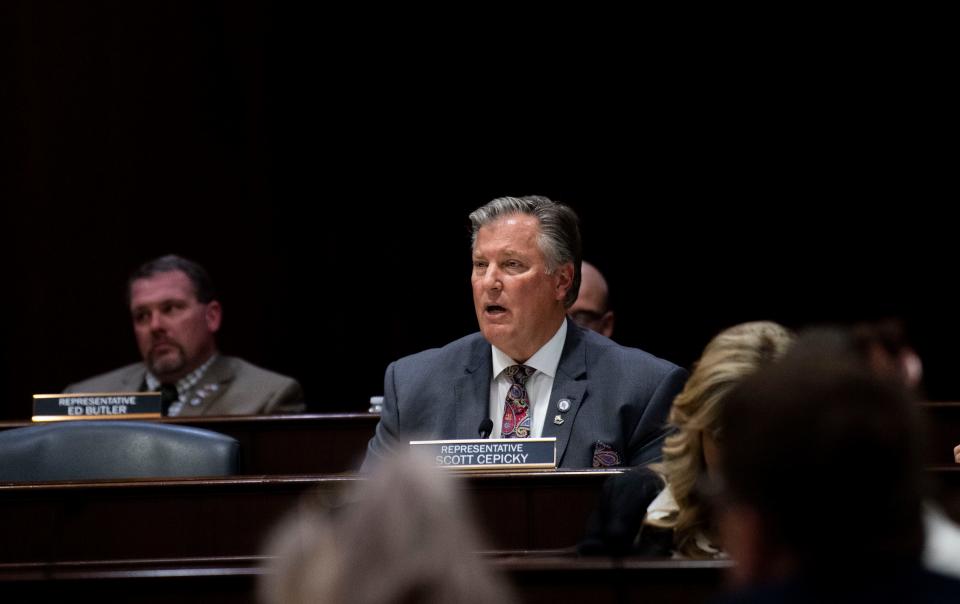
x=213 y=315
x=564 y=276
x=606 y=324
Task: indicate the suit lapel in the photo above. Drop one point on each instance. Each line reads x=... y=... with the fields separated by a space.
x=472 y=391
x=570 y=385
x=210 y=388
x=135 y=380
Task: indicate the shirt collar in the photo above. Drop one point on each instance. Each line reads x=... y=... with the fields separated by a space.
x=546 y=360
x=186 y=382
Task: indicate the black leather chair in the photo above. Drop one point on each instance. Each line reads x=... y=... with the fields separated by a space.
x=86 y=450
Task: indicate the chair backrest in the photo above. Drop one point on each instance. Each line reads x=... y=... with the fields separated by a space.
x=82 y=450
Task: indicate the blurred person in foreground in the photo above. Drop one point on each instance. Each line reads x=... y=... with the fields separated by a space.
x=404 y=535
x=884 y=349
x=660 y=510
x=821 y=484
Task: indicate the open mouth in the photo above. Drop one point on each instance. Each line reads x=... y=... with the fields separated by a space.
x=495 y=309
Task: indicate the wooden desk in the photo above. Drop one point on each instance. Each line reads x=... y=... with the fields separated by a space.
x=538 y=577
x=287 y=444
x=189 y=518
x=295 y=444
x=330 y=443
x=184 y=581
x=199 y=540
x=553 y=579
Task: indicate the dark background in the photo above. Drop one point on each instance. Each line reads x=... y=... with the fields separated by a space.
x=322 y=168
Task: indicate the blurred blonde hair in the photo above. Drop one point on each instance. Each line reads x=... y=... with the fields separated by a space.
x=405 y=535
x=730 y=356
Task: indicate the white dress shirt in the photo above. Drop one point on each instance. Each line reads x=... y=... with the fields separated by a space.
x=539 y=385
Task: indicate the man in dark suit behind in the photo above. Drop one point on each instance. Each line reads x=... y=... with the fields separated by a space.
x=530 y=370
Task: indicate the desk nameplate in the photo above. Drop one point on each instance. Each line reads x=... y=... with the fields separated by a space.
x=491 y=453
x=96 y=405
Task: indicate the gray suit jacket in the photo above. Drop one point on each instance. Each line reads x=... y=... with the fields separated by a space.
x=619 y=399
x=231 y=386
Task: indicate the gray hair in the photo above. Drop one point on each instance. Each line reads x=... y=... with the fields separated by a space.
x=559 y=238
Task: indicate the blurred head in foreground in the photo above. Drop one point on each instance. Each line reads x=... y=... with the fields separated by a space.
x=405 y=536
x=821 y=468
